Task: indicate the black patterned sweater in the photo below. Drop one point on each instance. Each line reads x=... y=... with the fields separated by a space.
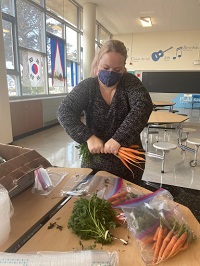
x=123 y=120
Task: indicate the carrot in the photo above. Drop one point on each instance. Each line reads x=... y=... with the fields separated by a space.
x=130 y=161
x=118 y=198
x=125 y=163
x=136 y=164
x=169 y=247
x=180 y=241
x=134 y=146
x=161 y=235
x=156 y=234
x=118 y=195
x=130 y=155
x=183 y=247
x=165 y=243
x=147 y=239
x=127 y=156
x=132 y=150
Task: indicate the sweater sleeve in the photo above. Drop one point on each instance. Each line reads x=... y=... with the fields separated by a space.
x=71 y=108
x=141 y=107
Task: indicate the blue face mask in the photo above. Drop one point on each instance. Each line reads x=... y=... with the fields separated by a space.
x=109 y=78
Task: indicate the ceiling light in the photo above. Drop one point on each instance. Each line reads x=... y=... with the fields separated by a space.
x=5 y=30
x=146 y=21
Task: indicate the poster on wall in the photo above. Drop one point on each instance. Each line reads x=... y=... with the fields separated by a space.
x=32 y=70
x=57 y=62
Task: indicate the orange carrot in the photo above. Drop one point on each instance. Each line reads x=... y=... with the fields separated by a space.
x=132 y=150
x=118 y=197
x=130 y=155
x=128 y=160
x=136 y=164
x=125 y=163
x=147 y=239
x=165 y=243
x=127 y=156
x=183 y=247
x=156 y=234
x=161 y=235
x=169 y=247
x=180 y=241
x=134 y=146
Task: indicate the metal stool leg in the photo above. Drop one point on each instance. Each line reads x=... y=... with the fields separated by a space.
x=163 y=161
x=193 y=163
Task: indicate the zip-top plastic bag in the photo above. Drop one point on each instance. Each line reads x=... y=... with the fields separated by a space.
x=158 y=224
x=104 y=186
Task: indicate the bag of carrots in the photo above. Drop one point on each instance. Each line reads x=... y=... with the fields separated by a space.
x=159 y=226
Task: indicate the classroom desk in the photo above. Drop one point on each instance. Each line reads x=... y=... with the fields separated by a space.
x=31 y=210
x=55 y=240
x=164 y=104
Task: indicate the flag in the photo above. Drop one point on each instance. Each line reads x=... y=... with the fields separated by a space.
x=32 y=70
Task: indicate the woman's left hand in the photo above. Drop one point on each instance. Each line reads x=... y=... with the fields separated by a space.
x=111 y=146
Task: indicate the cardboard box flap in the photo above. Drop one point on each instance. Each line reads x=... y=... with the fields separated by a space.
x=11 y=151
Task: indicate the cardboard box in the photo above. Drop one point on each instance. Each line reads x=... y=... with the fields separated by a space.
x=17 y=173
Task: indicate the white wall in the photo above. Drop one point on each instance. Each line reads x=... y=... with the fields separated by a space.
x=50 y=107
x=184 y=50
x=141 y=46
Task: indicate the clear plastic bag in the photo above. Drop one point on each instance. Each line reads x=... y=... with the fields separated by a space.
x=104 y=186
x=159 y=226
x=46 y=181
x=72 y=258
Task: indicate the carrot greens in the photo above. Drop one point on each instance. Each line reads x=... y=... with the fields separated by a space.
x=92 y=219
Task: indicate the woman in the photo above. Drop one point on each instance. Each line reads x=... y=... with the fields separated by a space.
x=116 y=107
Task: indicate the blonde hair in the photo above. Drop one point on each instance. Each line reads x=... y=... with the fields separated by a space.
x=109 y=46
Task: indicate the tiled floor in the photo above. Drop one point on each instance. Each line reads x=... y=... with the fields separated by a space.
x=55 y=145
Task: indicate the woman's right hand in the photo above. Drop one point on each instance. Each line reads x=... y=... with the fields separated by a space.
x=95 y=145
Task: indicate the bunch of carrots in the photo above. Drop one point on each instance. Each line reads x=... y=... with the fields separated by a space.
x=132 y=156
x=167 y=242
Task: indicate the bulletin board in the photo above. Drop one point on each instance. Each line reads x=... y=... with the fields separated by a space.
x=172 y=81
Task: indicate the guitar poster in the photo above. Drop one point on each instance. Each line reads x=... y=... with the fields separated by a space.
x=157 y=55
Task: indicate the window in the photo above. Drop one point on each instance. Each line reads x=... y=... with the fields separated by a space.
x=30 y=26
x=54 y=26
x=8 y=44
x=12 y=85
x=72 y=74
x=71 y=43
x=7 y=7
x=103 y=36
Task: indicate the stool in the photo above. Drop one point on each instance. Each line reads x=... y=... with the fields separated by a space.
x=164 y=147
x=196 y=142
x=187 y=131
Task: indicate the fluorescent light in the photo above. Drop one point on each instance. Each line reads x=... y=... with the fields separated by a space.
x=146 y=21
x=5 y=30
